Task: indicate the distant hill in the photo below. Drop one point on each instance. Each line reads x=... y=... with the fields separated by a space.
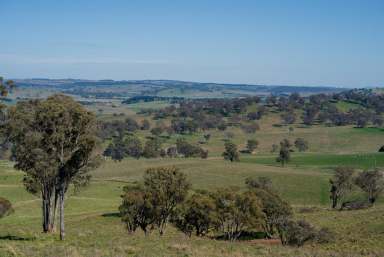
x=162 y=88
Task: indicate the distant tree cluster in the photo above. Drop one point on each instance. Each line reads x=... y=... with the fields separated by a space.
x=118 y=128
x=132 y=146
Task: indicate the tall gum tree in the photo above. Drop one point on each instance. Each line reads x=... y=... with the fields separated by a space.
x=54 y=141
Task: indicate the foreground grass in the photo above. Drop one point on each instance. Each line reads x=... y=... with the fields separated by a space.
x=94 y=228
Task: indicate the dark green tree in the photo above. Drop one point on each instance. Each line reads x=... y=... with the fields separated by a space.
x=231 y=153
x=237 y=212
x=137 y=209
x=152 y=148
x=133 y=146
x=168 y=188
x=252 y=145
x=197 y=214
x=53 y=143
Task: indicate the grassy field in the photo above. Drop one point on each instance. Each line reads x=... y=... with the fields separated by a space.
x=94 y=229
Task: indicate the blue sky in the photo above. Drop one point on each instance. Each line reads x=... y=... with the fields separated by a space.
x=308 y=42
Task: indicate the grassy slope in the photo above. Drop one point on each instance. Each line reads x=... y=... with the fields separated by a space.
x=93 y=230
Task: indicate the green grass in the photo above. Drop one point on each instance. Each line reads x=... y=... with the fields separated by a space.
x=359 y=161
x=93 y=229
x=345 y=106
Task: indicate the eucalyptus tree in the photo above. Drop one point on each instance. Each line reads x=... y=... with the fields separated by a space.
x=54 y=141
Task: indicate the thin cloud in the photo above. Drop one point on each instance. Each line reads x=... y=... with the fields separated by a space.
x=10 y=58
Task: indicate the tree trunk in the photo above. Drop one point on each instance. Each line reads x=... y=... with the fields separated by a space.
x=46 y=209
x=334 y=202
x=62 y=229
x=53 y=216
x=371 y=199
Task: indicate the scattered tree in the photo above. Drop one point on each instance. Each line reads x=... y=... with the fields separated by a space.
x=285 y=152
x=168 y=188
x=341 y=184
x=231 y=153
x=252 y=145
x=372 y=183
x=5 y=207
x=301 y=144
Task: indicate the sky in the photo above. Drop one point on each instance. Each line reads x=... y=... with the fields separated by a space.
x=286 y=42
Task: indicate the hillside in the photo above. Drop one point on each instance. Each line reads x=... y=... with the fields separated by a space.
x=168 y=88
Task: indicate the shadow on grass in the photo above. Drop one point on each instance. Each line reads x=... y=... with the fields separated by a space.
x=111 y=214
x=245 y=236
x=16 y=238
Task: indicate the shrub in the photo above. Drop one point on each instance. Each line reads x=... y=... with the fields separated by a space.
x=295 y=232
x=137 y=209
x=5 y=207
x=252 y=145
x=197 y=214
x=237 y=212
x=301 y=144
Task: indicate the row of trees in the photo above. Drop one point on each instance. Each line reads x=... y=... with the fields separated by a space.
x=132 y=146
x=232 y=154
x=345 y=179
x=163 y=198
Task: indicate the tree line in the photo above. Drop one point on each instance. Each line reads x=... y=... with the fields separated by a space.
x=163 y=198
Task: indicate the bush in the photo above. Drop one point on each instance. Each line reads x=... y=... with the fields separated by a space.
x=237 y=212
x=5 y=207
x=296 y=233
x=324 y=235
x=197 y=214
x=189 y=150
x=137 y=209
x=154 y=203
